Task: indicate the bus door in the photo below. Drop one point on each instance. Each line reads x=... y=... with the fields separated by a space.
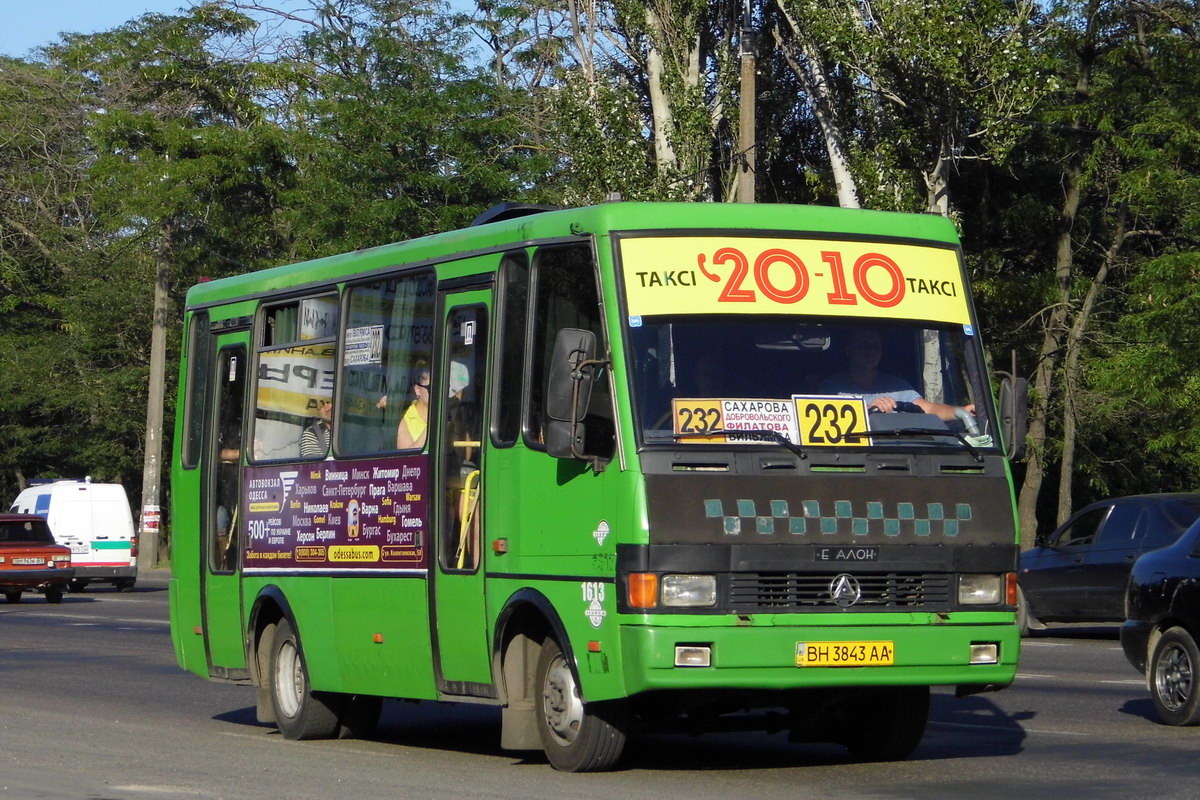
x=221 y=516
x=460 y=615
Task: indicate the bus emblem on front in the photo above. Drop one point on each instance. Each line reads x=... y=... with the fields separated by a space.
x=844 y=590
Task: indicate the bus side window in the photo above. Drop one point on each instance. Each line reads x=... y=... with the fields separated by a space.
x=295 y=382
x=566 y=296
x=199 y=357
x=386 y=357
x=226 y=476
x=513 y=308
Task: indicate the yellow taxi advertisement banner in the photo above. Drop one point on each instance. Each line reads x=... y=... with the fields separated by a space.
x=291 y=379
x=759 y=275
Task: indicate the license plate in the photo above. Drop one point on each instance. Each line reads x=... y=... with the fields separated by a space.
x=80 y=548
x=845 y=654
x=25 y=562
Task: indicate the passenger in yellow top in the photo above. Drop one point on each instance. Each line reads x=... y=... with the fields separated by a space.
x=413 y=426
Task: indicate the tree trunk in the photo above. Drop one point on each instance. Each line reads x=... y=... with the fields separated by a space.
x=1054 y=331
x=1066 y=471
x=812 y=77
x=660 y=104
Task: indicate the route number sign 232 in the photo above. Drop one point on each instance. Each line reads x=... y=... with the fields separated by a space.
x=817 y=420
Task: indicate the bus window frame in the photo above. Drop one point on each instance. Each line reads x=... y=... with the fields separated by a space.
x=502 y=434
x=529 y=433
x=199 y=376
x=394 y=273
x=260 y=347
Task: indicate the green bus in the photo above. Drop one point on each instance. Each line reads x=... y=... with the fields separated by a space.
x=630 y=467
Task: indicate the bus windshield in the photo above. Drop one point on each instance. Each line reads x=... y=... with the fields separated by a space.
x=742 y=379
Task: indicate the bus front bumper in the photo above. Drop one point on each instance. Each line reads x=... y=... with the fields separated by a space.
x=972 y=655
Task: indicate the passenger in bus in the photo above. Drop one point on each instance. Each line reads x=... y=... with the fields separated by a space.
x=410 y=434
x=314 y=440
x=880 y=391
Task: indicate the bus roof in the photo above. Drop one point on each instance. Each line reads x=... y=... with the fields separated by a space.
x=576 y=222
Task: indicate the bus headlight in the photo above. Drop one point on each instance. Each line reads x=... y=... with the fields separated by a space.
x=980 y=590
x=689 y=591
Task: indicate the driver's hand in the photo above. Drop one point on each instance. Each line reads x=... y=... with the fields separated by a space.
x=884 y=403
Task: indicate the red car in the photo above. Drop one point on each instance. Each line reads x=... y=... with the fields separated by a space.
x=29 y=558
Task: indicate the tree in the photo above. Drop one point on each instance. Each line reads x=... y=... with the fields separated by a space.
x=185 y=178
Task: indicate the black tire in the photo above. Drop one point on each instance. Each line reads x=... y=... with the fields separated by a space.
x=1174 y=677
x=12 y=597
x=124 y=584
x=576 y=736
x=54 y=594
x=891 y=725
x=300 y=713
x=358 y=716
x=77 y=585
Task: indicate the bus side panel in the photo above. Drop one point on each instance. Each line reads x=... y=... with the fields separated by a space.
x=338 y=621
x=184 y=588
x=396 y=611
x=561 y=519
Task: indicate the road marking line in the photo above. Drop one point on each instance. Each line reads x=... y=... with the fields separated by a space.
x=97 y=620
x=1000 y=729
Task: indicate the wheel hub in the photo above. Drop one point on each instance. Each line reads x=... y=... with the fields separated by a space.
x=1174 y=679
x=560 y=702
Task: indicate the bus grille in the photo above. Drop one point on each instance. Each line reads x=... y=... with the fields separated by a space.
x=773 y=591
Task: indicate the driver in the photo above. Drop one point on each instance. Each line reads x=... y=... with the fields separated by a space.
x=879 y=390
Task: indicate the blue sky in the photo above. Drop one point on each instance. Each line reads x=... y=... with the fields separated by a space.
x=32 y=23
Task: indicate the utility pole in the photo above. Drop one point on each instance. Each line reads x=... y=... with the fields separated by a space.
x=151 y=517
x=748 y=44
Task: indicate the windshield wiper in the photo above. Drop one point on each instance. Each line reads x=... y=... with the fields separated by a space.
x=775 y=436
x=928 y=432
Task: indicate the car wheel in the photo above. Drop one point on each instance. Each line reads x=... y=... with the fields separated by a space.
x=54 y=594
x=300 y=712
x=1174 y=677
x=12 y=597
x=77 y=585
x=576 y=736
x=124 y=585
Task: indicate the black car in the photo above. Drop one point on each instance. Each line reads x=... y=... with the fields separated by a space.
x=1079 y=572
x=1159 y=637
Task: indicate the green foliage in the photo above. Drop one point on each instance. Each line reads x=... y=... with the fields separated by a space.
x=370 y=121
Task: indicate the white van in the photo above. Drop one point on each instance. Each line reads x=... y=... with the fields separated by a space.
x=95 y=521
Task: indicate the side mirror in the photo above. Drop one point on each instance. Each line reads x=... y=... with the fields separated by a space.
x=568 y=391
x=1014 y=414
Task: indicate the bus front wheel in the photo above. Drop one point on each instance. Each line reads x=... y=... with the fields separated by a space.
x=300 y=713
x=576 y=737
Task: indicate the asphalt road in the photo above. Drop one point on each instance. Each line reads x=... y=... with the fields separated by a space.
x=93 y=707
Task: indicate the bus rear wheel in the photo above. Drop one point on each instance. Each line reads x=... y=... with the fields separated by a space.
x=300 y=713
x=576 y=737
x=890 y=723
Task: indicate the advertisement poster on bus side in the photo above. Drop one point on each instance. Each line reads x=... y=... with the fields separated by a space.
x=337 y=516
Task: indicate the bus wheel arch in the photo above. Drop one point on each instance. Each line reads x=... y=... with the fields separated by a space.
x=544 y=704
x=300 y=712
x=527 y=621
x=270 y=607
